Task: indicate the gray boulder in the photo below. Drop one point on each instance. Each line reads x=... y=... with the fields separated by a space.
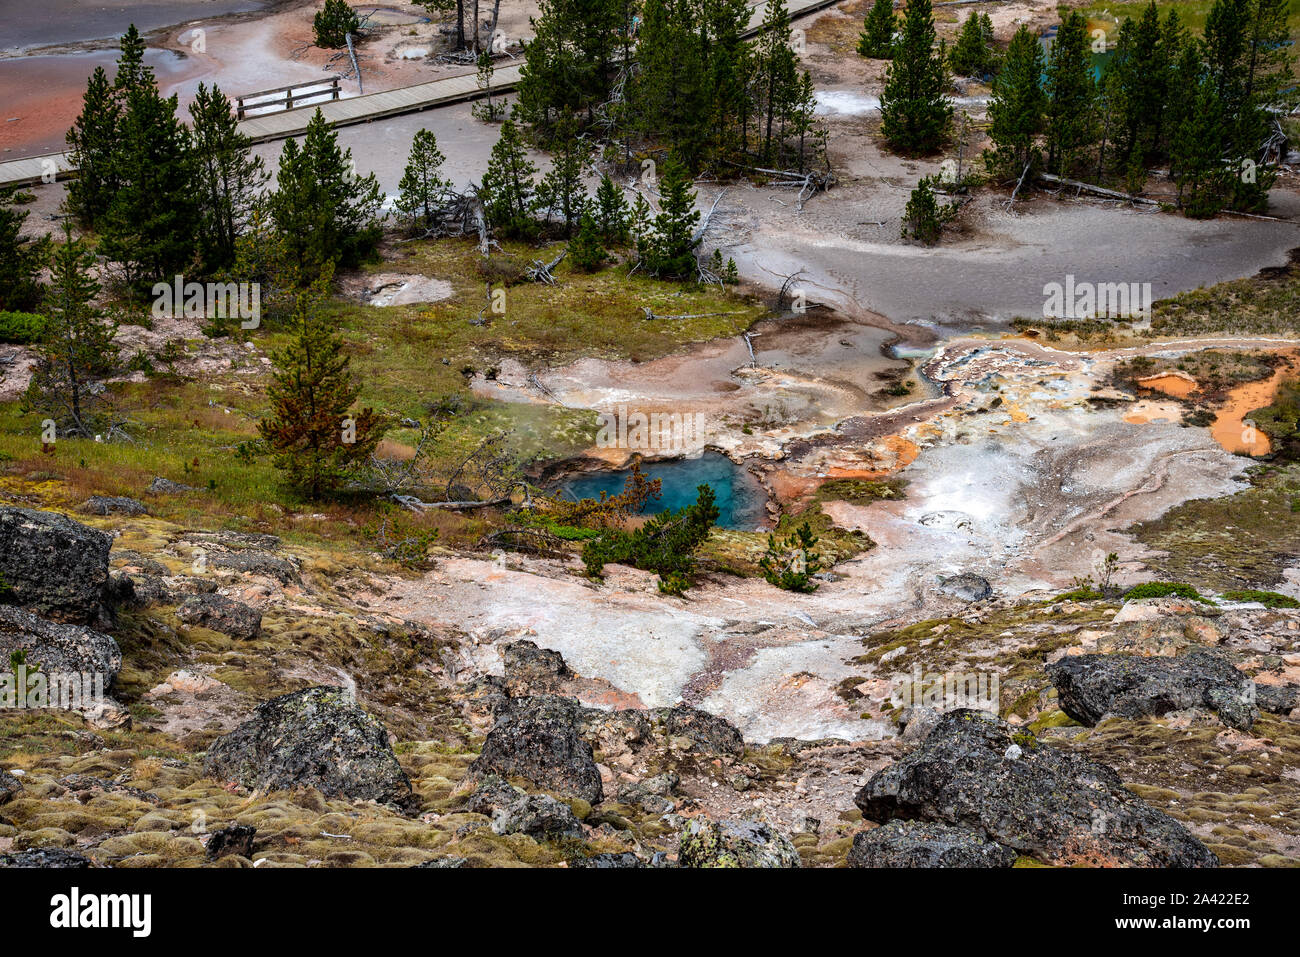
x=538 y=738
x=222 y=614
x=162 y=486
x=530 y=670
x=491 y=794
x=254 y=562
x=317 y=737
x=707 y=733
x=54 y=566
x=46 y=857
x=967 y=587
x=539 y=816
x=926 y=844
x=235 y=840
x=59 y=649
x=10 y=787
x=625 y=860
x=1277 y=699
x=975 y=771
x=1091 y=687
x=734 y=843
x=113 y=505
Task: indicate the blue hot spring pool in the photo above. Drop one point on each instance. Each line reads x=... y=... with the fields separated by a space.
x=740 y=498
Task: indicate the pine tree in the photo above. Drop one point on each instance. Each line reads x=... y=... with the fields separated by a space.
x=668 y=96
x=508 y=192
x=914 y=113
x=585 y=249
x=132 y=72
x=1197 y=153
x=323 y=210
x=877 y=38
x=1137 y=70
x=1017 y=106
x=91 y=142
x=572 y=60
x=311 y=432
x=672 y=241
x=612 y=212
x=485 y=109
x=21 y=259
x=422 y=189
x=76 y=349
x=924 y=216
x=777 y=75
x=1070 y=123
x=228 y=177
x=730 y=60
x=151 y=227
x=562 y=191
x=972 y=54
x=332 y=23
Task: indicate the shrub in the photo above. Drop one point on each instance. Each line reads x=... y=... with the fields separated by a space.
x=666 y=544
x=791 y=564
x=924 y=217
x=21 y=328
x=1165 y=590
x=1269 y=599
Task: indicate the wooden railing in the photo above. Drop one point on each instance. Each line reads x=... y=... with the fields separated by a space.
x=288 y=96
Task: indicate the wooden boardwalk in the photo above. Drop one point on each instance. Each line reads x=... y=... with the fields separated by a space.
x=357 y=109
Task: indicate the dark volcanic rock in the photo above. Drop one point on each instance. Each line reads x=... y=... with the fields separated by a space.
x=113 y=505
x=1090 y=687
x=236 y=839
x=967 y=587
x=222 y=614
x=162 y=486
x=707 y=732
x=926 y=844
x=538 y=738
x=58 y=649
x=256 y=563
x=493 y=793
x=46 y=857
x=539 y=816
x=732 y=843
x=976 y=772
x=54 y=566
x=607 y=861
x=439 y=863
x=318 y=738
x=531 y=670
x=10 y=787
x=1277 y=699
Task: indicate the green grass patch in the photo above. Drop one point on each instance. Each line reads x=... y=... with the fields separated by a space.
x=1165 y=590
x=1269 y=599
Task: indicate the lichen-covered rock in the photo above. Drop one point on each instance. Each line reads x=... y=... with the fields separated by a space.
x=163 y=486
x=616 y=732
x=538 y=738
x=317 y=737
x=539 y=816
x=1277 y=699
x=46 y=857
x=706 y=733
x=967 y=587
x=734 y=843
x=530 y=670
x=10 y=787
x=621 y=861
x=926 y=844
x=59 y=649
x=54 y=566
x=652 y=794
x=222 y=614
x=234 y=840
x=491 y=794
x=113 y=505
x=256 y=563
x=1090 y=687
x=976 y=772
x=441 y=863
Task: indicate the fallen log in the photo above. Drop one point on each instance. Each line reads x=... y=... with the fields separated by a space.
x=1095 y=190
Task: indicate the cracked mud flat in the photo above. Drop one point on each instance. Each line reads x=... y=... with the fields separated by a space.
x=1017 y=477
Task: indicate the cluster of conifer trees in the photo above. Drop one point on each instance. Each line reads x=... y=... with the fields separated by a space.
x=1198 y=106
x=671 y=74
